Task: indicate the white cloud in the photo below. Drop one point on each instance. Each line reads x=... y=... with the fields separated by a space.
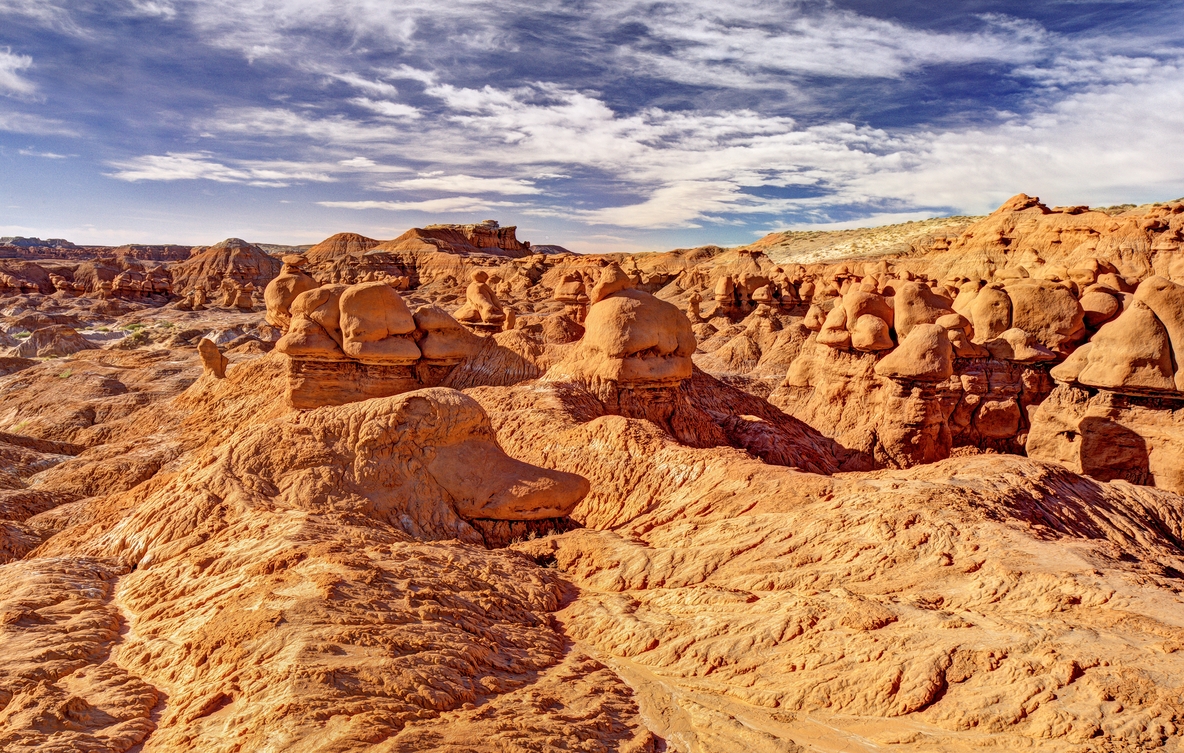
x=388 y=109
x=336 y=129
x=10 y=67
x=153 y=8
x=46 y=13
x=380 y=88
x=450 y=204
x=462 y=184
x=46 y=155
x=19 y=122
x=200 y=166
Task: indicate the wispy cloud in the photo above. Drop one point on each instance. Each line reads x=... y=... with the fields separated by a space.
x=387 y=108
x=200 y=166
x=20 y=122
x=450 y=204
x=11 y=65
x=687 y=114
x=463 y=184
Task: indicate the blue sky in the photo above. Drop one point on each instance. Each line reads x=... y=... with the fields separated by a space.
x=596 y=125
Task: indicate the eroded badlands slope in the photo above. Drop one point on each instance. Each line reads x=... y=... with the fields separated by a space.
x=447 y=494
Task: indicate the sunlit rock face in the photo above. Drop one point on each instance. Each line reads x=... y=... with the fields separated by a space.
x=602 y=523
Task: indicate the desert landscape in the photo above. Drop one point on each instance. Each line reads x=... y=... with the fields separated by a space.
x=455 y=492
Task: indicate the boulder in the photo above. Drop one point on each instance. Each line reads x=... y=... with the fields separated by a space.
x=1099 y=307
x=990 y=312
x=1166 y=299
x=915 y=304
x=871 y=333
x=834 y=330
x=925 y=355
x=1017 y=345
x=1130 y=354
x=280 y=292
x=1049 y=311
x=376 y=325
x=630 y=338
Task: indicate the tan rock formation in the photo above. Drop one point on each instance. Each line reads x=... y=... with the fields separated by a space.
x=916 y=304
x=233 y=260
x=481 y=303
x=631 y=338
x=376 y=325
x=212 y=360
x=280 y=292
x=1131 y=354
x=924 y=355
x=1048 y=311
x=990 y=313
x=1166 y=299
x=54 y=341
x=1109 y=435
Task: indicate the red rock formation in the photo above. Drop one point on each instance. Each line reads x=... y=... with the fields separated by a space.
x=231 y=261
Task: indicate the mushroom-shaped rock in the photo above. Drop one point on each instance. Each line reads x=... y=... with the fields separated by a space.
x=314 y=333
x=990 y=312
x=1166 y=299
x=1020 y=346
x=1131 y=353
x=964 y=347
x=445 y=341
x=243 y=300
x=632 y=338
x=859 y=302
x=212 y=360
x=571 y=289
x=612 y=280
x=376 y=325
x=967 y=292
x=1049 y=311
x=280 y=292
x=870 y=333
x=763 y=295
x=693 y=303
x=953 y=322
x=915 y=304
x=1068 y=370
x=925 y=355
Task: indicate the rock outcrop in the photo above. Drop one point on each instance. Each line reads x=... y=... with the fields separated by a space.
x=52 y=342
x=355 y=342
x=232 y=261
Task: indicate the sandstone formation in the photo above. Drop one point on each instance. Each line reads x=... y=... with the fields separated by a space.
x=52 y=342
x=233 y=261
x=447 y=493
x=353 y=342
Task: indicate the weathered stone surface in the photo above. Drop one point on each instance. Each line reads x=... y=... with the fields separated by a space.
x=1109 y=436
